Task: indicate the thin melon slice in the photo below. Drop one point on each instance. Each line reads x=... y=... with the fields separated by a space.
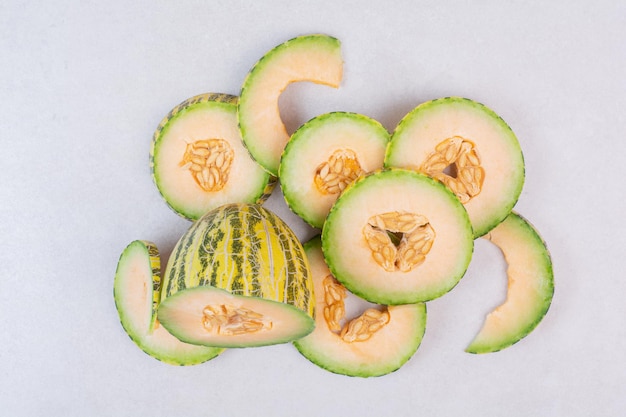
x=376 y=343
x=237 y=278
x=326 y=154
x=136 y=292
x=530 y=286
x=315 y=58
x=198 y=160
x=397 y=236
x=468 y=147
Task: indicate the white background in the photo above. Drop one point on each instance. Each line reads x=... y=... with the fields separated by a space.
x=84 y=84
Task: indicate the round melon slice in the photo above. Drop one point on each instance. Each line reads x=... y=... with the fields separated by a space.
x=397 y=236
x=378 y=342
x=237 y=278
x=314 y=58
x=136 y=291
x=198 y=160
x=468 y=147
x=530 y=286
x=326 y=154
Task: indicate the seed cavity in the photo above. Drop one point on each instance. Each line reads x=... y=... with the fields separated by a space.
x=457 y=156
x=358 y=329
x=229 y=320
x=335 y=174
x=209 y=162
x=399 y=241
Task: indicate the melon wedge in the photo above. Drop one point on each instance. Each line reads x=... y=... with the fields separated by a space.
x=136 y=291
x=396 y=236
x=530 y=286
x=468 y=147
x=315 y=58
x=378 y=348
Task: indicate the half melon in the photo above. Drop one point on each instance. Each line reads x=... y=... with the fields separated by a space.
x=237 y=278
x=377 y=342
x=326 y=154
x=198 y=160
x=467 y=147
x=137 y=290
x=396 y=236
x=530 y=286
x=315 y=58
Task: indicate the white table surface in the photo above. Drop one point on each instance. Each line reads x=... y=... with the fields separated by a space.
x=84 y=84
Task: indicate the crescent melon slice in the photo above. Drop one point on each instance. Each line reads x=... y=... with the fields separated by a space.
x=137 y=290
x=377 y=342
x=238 y=277
x=470 y=149
x=397 y=236
x=530 y=286
x=314 y=58
x=325 y=155
x=198 y=160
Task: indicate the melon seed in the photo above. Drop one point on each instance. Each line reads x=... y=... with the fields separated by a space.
x=209 y=162
x=225 y=319
x=341 y=168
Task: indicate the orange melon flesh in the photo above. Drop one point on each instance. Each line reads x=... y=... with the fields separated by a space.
x=133 y=293
x=530 y=286
x=313 y=58
x=386 y=351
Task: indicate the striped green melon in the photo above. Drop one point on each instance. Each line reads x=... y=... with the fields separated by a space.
x=137 y=291
x=373 y=342
x=530 y=286
x=315 y=58
x=238 y=277
x=199 y=162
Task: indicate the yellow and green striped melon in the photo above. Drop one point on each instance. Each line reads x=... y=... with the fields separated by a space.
x=238 y=277
x=198 y=160
x=315 y=58
x=137 y=291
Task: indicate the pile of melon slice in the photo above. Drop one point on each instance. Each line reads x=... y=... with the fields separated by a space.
x=398 y=216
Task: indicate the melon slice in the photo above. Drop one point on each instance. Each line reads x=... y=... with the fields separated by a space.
x=314 y=58
x=198 y=160
x=530 y=286
x=397 y=236
x=468 y=147
x=136 y=292
x=378 y=342
x=237 y=278
x=326 y=154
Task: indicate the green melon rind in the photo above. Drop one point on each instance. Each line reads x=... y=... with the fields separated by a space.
x=518 y=183
x=286 y=169
x=527 y=233
x=351 y=282
x=199 y=102
x=254 y=144
x=384 y=365
x=194 y=355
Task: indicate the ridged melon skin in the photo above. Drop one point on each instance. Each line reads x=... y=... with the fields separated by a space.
x=203 y=202
x=312 y=143
x=350 y=260
x=315 y=58
x=505 y=153
x=385 y=352
x=530 y=289
x=247 y=251
x=137 y=301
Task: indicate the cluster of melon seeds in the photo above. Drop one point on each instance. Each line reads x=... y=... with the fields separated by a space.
x=414 y=232
x=466 y=176
x=209 y=162
x=226 y=319
x=334 y=175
